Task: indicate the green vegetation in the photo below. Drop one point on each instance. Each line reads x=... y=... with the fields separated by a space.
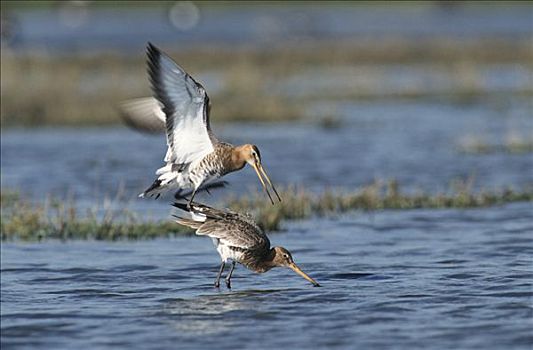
x=79 y=91
x=55 y=219
x=299 y=203
x=513 y=144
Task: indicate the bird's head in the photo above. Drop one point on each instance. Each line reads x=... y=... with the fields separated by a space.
x=251 y=155
x=282 y=257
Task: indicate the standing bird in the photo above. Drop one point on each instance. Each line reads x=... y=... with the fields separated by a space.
x=239 y=239
x=194 y=156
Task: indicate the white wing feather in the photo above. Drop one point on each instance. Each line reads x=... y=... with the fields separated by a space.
x=185 y=105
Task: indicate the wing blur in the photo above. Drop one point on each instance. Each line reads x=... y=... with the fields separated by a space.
x=144 y=114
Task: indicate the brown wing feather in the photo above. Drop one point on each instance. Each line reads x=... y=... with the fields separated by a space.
x=235 y=233
x=232 y=228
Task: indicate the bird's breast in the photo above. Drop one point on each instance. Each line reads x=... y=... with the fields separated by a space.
x=207 y=169
x=228 y=158
x=228 y=253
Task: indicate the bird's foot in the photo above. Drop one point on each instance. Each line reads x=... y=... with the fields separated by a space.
x=217 y=284
x=228 y=284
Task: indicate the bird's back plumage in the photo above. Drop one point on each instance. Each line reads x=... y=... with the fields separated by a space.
x=235 y=232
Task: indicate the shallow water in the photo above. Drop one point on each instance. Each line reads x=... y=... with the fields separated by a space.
x=400 y=279
x=78 y=28
x=392 y=279
x=416 y=142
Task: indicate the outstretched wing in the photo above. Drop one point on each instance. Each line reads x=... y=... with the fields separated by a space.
x=240 y=234
x=186 y=108
x=144 y=114
x=231 y=228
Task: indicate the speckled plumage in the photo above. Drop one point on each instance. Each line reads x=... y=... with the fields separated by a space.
x=213 y=166
x=194 y=155
x=237 y=238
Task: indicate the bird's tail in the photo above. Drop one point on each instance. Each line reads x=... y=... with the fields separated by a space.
x=167 y=180
x=161 y=185
x=155 y=189
x=188 y=222
x=203 y=211
x=191 y=217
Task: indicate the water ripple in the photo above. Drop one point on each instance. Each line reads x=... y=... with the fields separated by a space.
x=460 y=290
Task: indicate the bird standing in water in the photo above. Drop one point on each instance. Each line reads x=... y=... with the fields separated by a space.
x=239 y=239
x=194 y=155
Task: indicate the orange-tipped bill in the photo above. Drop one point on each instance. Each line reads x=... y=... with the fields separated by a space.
x=303 y=274
x=260 y=171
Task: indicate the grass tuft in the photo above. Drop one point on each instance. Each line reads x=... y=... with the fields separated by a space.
x=514 y=143
x=299 y=204
x=56 y=219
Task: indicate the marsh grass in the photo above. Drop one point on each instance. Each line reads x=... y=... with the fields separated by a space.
x=514 y=143
x=40 y=89
x=60 y=219
x=299 y=204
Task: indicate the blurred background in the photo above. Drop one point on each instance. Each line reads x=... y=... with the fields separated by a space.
x=361 y=111
x=336 y=94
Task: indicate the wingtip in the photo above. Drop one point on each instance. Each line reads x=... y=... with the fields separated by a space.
x=151 y=47
x=181 y=206
x=153 y=54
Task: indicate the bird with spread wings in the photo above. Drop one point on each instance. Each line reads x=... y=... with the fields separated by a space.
x=195 y=157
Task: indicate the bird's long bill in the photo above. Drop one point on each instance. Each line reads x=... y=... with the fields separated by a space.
x=260 y=171
x=303 y=274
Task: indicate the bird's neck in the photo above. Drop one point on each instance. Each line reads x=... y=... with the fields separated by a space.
x=268 y=262
x=237 y=160
x=263 y=264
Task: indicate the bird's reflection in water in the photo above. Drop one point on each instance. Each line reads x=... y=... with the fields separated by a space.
x=217 y=313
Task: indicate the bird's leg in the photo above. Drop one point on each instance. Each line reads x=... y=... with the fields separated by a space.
x=189 y=205
x=228 y=277
x=217 y=281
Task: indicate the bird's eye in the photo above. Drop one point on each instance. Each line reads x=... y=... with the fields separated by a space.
x=286 y=256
